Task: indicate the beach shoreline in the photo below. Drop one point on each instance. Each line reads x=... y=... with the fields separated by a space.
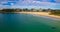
x=45 y=14
x=41 y=14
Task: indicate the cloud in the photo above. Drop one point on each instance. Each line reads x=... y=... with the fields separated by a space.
x=45 y=0
x=34 y=3
x=44 y=3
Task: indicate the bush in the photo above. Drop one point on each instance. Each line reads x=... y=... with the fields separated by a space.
x=54 y=12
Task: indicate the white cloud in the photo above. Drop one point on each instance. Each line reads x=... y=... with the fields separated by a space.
x=44 y=3
x=45 y=0
x=38 y=3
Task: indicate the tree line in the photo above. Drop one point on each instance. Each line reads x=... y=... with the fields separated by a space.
x=51 y=11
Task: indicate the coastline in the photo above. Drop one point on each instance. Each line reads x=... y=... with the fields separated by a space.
x=41 y=14
x=45 y=14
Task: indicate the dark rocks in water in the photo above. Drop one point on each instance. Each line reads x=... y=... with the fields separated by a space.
x=53 y=27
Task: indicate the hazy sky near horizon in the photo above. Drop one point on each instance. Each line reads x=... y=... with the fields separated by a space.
x=53 y=4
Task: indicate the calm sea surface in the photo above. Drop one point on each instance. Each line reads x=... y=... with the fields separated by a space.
x=27 y=23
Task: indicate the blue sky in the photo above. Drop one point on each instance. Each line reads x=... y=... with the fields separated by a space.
x=53 y=4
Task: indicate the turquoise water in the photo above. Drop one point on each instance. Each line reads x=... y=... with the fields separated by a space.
x=27 y=23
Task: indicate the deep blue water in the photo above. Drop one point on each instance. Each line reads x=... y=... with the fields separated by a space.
x=27 y=23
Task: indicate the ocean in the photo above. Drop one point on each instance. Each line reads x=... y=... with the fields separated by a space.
x=27 y=23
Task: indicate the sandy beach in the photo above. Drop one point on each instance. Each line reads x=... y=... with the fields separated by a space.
x=41 y=14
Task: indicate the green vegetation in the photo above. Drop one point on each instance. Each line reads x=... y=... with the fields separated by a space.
x=51 y=12
x=55 y=12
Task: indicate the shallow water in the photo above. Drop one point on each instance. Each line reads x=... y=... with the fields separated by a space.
x=27 y=23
